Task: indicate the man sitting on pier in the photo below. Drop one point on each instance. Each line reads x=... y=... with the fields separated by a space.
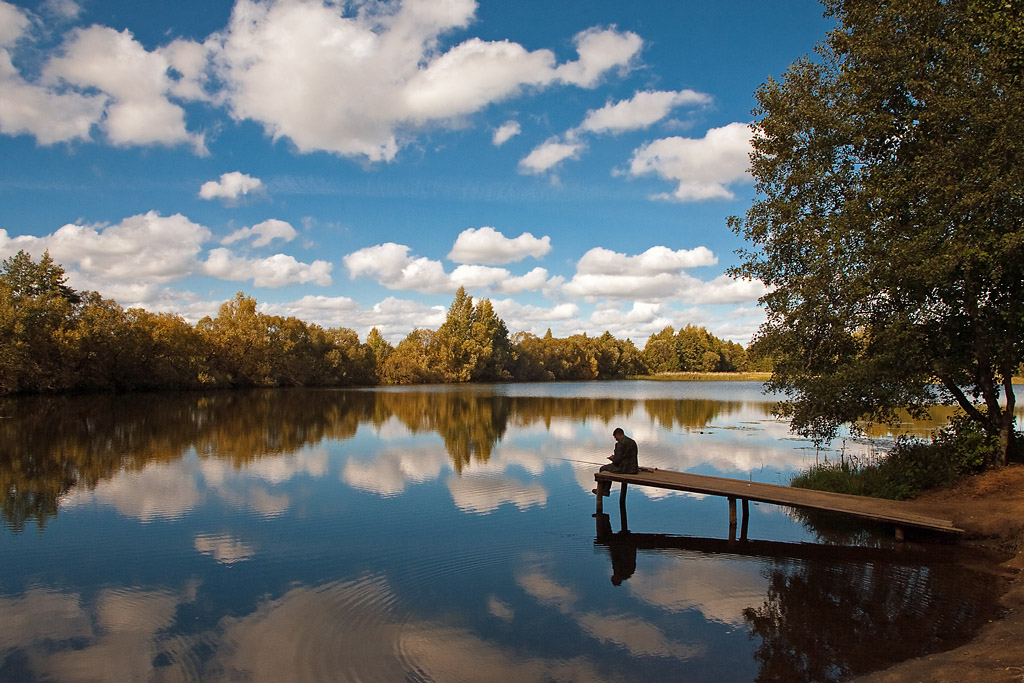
x=624 y=461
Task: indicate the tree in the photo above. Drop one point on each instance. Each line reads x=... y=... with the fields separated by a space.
x=380 y=348
x=889 y=222
x=37 y=310
x=660 y=352
x=240 y=342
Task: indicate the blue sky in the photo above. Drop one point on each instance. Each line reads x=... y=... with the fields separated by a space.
x=354 y=163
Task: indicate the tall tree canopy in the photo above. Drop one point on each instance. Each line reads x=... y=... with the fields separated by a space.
x=889 y=222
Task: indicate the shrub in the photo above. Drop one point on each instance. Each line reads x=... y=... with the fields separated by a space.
x=912 y=465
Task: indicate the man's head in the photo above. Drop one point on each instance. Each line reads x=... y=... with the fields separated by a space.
x=618 y=433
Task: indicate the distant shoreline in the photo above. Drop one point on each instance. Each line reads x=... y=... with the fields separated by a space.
x=707 y=377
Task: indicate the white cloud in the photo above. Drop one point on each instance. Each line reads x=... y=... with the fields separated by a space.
x=600 y=50
x=656 y=274
x=703 y=167
x=49 y=116
x=231 y=186
x=655 y=260
x=472 y=75
x=147 y=248
x=264 y=233
x=644 y=109
x=533 y=281
x=357 y=85
x=727 y=290
x=509 y=308
x=356 y=79
x=477 y=277
x=506 y=132
x=274 y=271
x=191 y=61
x=13 y=23
x=65 y=9
x=547 y=155
x=392 y=266
x=488 y=246
x=139 y=111
x=394 y=318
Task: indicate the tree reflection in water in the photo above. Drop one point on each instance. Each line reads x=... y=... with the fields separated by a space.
x=52 y=444
x=832 y=612
x=831 y=621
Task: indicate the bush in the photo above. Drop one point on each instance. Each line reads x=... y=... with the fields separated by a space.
x=912 y=466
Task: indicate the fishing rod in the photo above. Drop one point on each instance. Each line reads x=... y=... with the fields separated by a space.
x=585 y=462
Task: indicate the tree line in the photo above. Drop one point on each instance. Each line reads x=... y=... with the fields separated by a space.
x=56 y=339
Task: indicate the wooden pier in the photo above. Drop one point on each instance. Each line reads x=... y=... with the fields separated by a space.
x=893 y=512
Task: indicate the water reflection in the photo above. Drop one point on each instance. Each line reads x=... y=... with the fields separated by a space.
x=55 y=445
x=437 y=533
x=827 y=608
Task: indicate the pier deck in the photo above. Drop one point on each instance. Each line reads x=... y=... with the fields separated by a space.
x=892 y=512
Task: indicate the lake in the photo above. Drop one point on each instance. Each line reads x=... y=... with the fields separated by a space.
x=442 y=533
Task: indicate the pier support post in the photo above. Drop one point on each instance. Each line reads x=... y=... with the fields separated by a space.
x=732 y=518
x=746 y=518
x=622 y=496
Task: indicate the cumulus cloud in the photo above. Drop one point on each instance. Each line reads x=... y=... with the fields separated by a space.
x=533 y=281
x=392 y=266
x=728 y=290
x=652 y=262
x=31 y=109
x=13 y=23
x=231 y=186
x=600 y=50
x=655 y=274
x=393 y=318
x=704 y=168
x=144 y=248
x=139 y=111
x=549 y=154
x=644 y=109
x=359 y=85
x=358 y=80
x=263 y=233
x=274 y=271
x=488 y=246
x=506 y=132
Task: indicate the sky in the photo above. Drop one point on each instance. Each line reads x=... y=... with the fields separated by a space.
x=353 y=163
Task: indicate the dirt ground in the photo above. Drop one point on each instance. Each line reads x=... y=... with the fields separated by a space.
x=990 y=508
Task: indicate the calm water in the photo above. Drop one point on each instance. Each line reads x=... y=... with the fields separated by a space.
x=440 y=533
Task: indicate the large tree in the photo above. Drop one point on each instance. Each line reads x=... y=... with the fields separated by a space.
x=889 y=221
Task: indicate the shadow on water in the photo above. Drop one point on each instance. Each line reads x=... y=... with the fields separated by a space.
x=835 y=612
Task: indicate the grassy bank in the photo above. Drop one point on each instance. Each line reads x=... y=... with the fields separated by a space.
x=707 y=377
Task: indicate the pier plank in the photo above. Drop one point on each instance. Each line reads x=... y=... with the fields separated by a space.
x=876 y=509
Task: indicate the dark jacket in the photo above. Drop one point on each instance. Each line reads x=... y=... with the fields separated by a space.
x=624 y=457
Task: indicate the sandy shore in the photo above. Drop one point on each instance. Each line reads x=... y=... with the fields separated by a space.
x=990 y=508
